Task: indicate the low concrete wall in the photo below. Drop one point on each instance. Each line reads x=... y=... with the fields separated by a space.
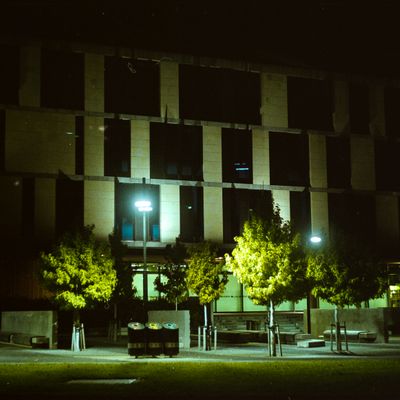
x=181 y=318
x=378 y=320
x=40 y=323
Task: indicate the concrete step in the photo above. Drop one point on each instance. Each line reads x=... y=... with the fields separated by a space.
x=311 y=343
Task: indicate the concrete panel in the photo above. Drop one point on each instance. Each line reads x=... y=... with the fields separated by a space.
x=169 y=213
x=212 y=154
x=181 y=318
x=10 y=206
x=341 y=116
x=29 y=90
x=94 y=82
x=94 y=146
x=45 y=208
x=40 y=142
x=282 y=200
x=213 y=217
x=274 y=110
x=362 y=163
x=319 y=214
x=169 y=89
x=99 y=206
x=317 y=157
x=261 y=170
x=377 y=110
x=140 y=149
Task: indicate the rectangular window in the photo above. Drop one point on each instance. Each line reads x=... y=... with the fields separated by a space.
x=387 y=155
x=359 y=108
x=289 y=159
x=131 y=86
x=69 y=205
x=338 y=162
x=79 y=143
x=392 y=115
x=2 y=140
x=28 y=207
x=237 y=156
x=310 y=104
x=129 y=220
x=239 y=205
x=117 y=147
x=191 y=214
x=9 y=74
x=62 y=79
x=176 y=152
x=219 y=94
x=300 y=212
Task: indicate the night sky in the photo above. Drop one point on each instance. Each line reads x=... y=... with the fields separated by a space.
x=347 y=35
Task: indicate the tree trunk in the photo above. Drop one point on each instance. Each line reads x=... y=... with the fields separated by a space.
x=272 y=341
x=337 y=330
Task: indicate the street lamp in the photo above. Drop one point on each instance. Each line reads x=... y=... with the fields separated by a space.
x=144 y=206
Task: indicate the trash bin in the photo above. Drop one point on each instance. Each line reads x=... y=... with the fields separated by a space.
x=171 y=339
x=136 y=339
x=154 y=339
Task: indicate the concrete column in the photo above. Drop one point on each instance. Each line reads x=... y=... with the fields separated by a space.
x=341 y=117
x=140 y=149
x=98 y=207
x=387 y=217
x=212 y=154
x=94 y=146
x=169 y=89
x=319 y=214
x=362 y=163
x=317 y=156
x=45 y=208
x=213 y=214
x=29 y=90
x=377 y=110
x=94 y=82
x=274 y=109
x=261 y=171
x=169 y=213
x=10 y=207
x=282 y=200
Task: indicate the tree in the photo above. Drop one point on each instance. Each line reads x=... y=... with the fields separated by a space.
x=79 y=271
x=269 y=260
x=175 y=288
x=205 y=276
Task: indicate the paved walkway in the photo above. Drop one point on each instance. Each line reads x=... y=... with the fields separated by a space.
x=103 y=351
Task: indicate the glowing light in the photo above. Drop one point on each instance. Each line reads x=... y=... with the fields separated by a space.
x=315 y=239
x=143 y=205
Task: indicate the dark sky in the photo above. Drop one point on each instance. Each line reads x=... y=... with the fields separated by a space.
x=349 y=35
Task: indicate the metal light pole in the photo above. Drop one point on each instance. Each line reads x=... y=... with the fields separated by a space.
x=144 y=206
x=315 y=240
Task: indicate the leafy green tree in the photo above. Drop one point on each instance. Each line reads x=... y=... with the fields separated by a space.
x=205 y=276
x=175 y=287
x=79 y=271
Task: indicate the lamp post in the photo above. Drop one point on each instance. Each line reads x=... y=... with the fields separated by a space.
x=144 y=206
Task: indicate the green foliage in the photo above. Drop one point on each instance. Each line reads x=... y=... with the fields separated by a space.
x=269 y=260
x=175 y=288
x=79 y=271
x=206 y=277
x=345 y=272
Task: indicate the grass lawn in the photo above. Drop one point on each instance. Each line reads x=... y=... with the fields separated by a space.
x=289 y=380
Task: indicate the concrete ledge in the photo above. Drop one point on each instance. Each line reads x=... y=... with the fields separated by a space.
x=311 y=343
x=352 y=335
x=25 y=339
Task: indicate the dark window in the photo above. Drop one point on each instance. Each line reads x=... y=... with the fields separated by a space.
x=28 y=207
x=131 y=86
x=338 y=162
x=9 y=74
x=79 y=143
x=176 y=152
x=2 y=140
x=62 y=80
x=237 y=156
x=191 y=214
x=69 y=205
x=218 y=94
x=129 y=219
x=359 y=108
x=387 y=155
x=310 y=103
x=239 y=205
x=352 y=214
x=289 y=159
x=300 y=212
x=117 y=147
x=392 y=115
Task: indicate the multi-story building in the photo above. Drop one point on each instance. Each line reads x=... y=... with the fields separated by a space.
x=87 y=130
